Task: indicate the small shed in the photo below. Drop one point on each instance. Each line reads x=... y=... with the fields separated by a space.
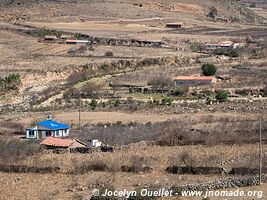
x=175 y=25
x=73 y=41
x=50 y=38
x=65 y=37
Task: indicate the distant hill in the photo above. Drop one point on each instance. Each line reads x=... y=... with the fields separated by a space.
x=122 y=9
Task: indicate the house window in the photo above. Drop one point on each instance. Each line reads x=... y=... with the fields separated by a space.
x=31 y=133
x=56 y=133
x=48 y=133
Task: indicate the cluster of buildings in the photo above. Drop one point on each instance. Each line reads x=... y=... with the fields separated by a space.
x=56 y=135
x=67 y=39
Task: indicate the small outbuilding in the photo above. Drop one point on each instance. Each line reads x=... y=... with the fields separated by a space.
x=50 y=38
x=73 y=41
x=175 y=25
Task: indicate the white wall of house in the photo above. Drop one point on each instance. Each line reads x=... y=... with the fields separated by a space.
x=43 y=134
x=58 y=133
x=30 y=134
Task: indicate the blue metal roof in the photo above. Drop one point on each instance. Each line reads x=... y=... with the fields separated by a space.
x=52 y=125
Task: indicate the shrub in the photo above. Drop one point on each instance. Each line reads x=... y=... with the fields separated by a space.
x=109 y=54
x=256 y=53
x=149 y=62
x=93 y=104
x=209 y=100
x=10 y=82
x=213 y=12
x=208 y=69
x=77 y=36
x=196 y=47
x=232 y=53
x=253 y=5
x=221 y=95
x=265 y=91
x=117 y=103
x=166 y=101
x=156 y=101
x=98 y=39
x=179 y=92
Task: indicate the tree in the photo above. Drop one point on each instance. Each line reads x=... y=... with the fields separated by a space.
x=265 y=91
x=208 y=69
x=166 y=101
x=253 y=5
x=117 y=102
x=109 y=54
x=221 y=95
x=93 y=104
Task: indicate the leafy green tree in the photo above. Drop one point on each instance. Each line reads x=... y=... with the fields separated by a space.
x=208 y=69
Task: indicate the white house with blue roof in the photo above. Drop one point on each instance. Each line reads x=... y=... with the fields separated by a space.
x=46 y=129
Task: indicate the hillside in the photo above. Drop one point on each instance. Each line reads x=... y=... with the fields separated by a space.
x=37 y=10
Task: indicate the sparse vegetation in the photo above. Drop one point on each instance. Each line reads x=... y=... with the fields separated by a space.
x=14 y=150
x=161 y=82
x=196 y=47
x=9 y=83
x=179 y=92
x=41 y=33
x=166 y=101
